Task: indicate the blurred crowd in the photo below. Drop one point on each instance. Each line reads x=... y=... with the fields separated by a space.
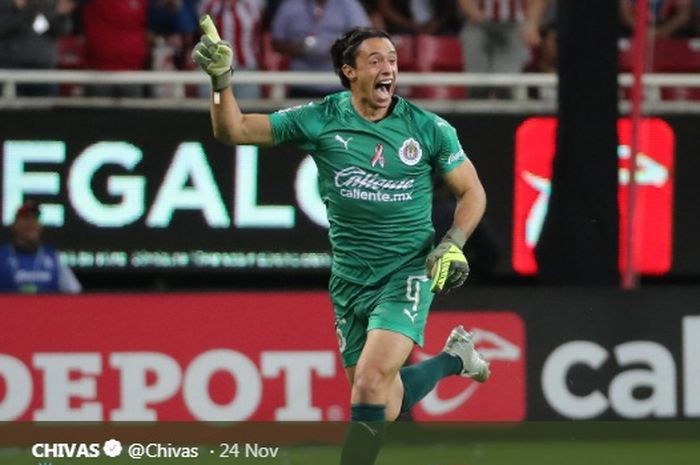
x=481 y=36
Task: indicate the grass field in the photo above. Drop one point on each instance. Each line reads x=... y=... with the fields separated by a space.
x=568 y=443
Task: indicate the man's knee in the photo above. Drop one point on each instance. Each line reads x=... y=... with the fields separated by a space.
x=372 y=383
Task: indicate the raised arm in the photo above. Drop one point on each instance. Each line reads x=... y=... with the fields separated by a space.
x=230 y=125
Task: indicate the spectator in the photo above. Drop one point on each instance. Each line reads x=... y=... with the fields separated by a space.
x=173 y=17
x=420 y=16
x=491 y=40
x=544 y=60
x=667 y=18
x=538 y=13
x=376 y=18
x=28 y=32
x=240 y=23
x=28 y=266
x=304 y=31
x=172 y=25
x=115 y=40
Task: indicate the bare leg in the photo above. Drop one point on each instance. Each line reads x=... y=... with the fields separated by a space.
x=376 y=394
x=376 y=376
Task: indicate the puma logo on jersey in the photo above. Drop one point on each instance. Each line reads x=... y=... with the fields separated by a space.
x=345 y=142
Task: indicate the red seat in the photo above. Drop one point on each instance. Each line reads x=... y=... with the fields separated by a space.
x=406 y=52
x=667 y=56
x=676 y=56
x=438 y=53
x=435 y=54
x=624 y=55
x=663 y=56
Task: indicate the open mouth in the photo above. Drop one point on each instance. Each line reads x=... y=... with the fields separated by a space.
x=383 y=88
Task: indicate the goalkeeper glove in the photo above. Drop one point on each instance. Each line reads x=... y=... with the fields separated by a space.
x=214 y=55
x=447 y=266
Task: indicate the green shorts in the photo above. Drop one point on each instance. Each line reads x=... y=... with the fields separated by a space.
x=400 y=303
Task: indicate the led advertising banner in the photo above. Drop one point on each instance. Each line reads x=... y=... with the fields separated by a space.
x=652 y=227
x=563 y=353
x=219 y=357
x=127 y=190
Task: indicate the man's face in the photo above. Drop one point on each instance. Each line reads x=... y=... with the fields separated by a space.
x=27 y=230
x=373 y=79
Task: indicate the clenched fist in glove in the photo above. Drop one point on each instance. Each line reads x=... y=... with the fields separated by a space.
x=214 y=55
x=447 y=266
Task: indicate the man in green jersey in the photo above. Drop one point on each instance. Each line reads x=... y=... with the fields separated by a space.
x=376 y=154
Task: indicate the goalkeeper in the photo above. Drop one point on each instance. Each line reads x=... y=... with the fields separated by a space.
x=376 y=154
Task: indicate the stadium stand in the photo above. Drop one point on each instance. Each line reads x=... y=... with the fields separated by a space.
x=273 y=61
x=438 y=53
x=667 y=56
x=71 y=55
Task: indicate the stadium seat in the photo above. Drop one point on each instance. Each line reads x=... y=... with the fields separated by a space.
x=406 y=51
x=666 y=56
x=677 y=56
x=438 y=54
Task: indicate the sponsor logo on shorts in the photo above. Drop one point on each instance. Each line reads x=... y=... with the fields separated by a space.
x=342 y=343
x=411 y=315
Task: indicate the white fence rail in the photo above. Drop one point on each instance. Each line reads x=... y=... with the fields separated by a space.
x=519 y=83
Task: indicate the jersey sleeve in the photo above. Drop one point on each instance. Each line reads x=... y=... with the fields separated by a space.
x=298 y=125
x=449 y=151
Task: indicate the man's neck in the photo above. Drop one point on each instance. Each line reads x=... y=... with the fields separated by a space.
x=24 y=246
x=371 y=113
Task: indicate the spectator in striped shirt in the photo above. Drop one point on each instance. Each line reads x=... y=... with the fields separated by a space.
x=239 y=23
x=496 y=38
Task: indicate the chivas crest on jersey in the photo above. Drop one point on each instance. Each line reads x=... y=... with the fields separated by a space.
x=410 y=152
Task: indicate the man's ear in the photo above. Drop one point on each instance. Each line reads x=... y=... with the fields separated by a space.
x=349 y=72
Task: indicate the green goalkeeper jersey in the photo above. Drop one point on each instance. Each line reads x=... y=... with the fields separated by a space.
x=375 y=178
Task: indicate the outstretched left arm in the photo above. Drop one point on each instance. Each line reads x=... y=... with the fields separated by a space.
x=446 y=264
x=465 y=185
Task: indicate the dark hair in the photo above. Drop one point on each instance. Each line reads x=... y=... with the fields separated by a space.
x=344 y=49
